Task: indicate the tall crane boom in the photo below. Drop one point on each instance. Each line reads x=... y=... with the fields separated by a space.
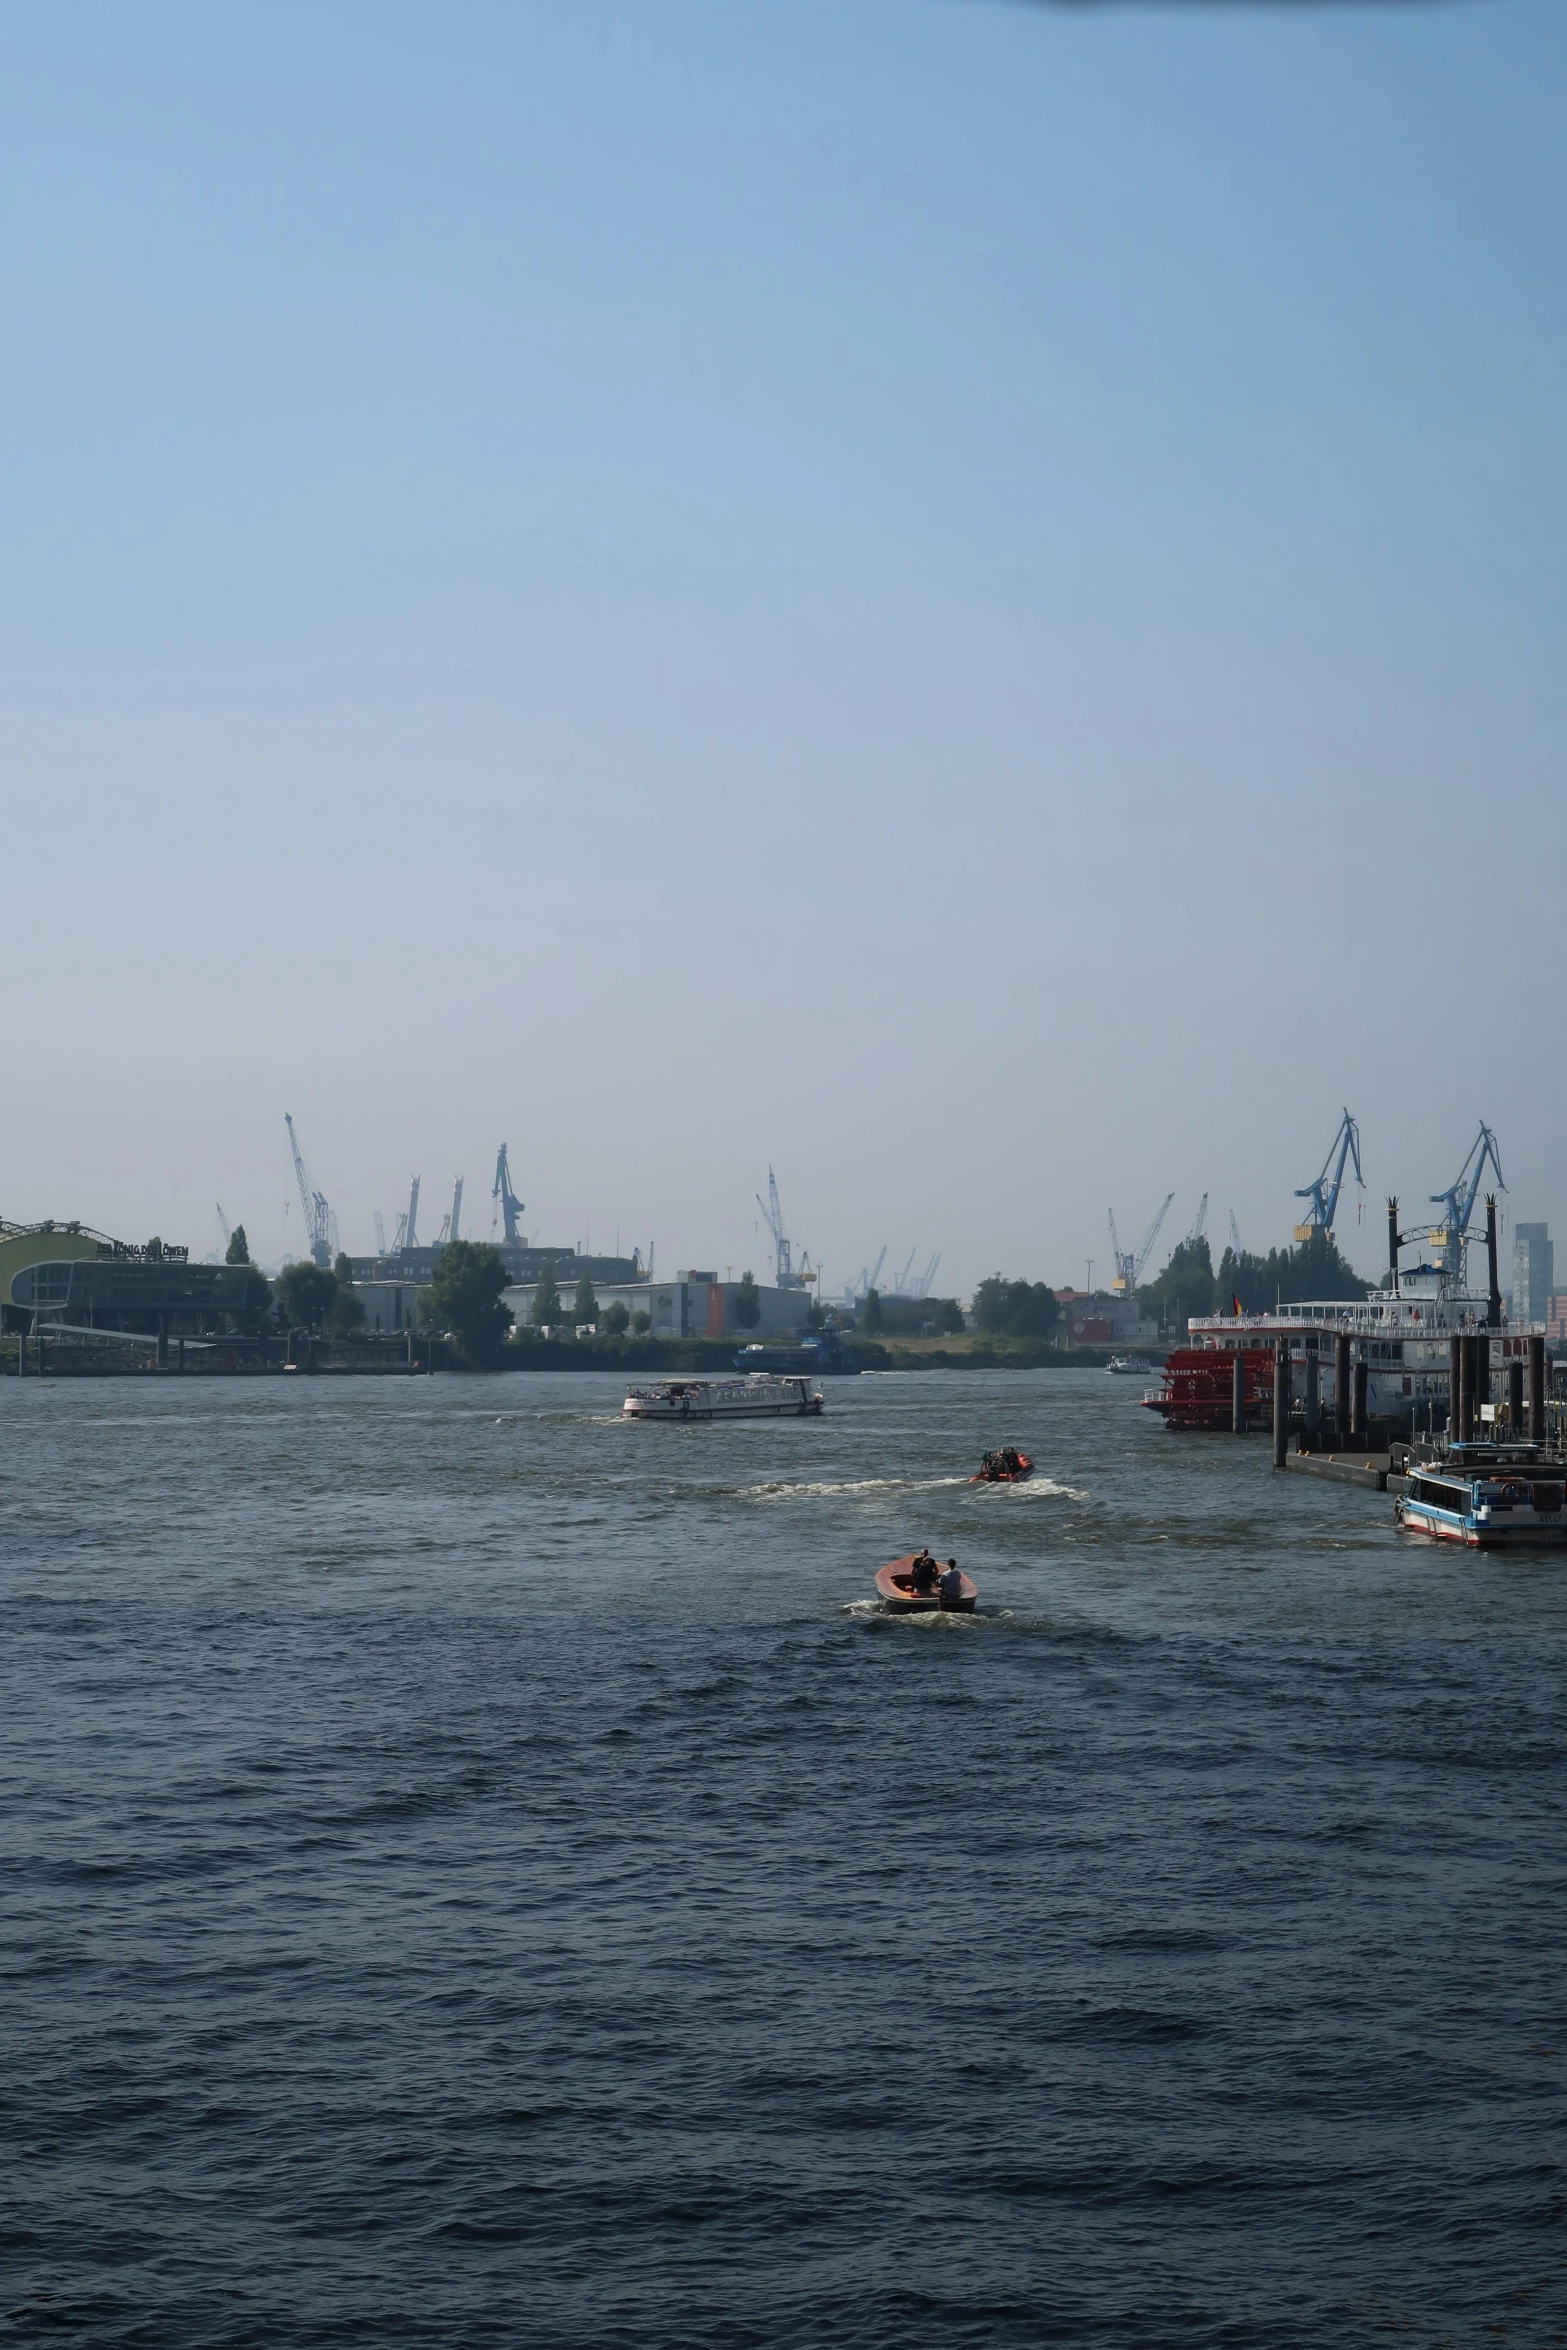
x=772 y=1217
x=320 y=1223
x=1198 y=1221
x=1129 y=1263
x=1458 y=1201
x=511 y=1205
x=1322 y=1194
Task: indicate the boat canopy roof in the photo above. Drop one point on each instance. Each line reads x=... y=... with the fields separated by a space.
x=1381 y=1316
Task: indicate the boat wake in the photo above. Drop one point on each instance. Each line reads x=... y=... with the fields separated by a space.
x=1035 y=1488
x=835 y=1489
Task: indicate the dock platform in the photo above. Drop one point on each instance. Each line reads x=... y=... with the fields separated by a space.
x=1345 y=1468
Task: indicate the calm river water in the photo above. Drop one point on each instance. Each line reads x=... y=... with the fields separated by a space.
x=476 y=1872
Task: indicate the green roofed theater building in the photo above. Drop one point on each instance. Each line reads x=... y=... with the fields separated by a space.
x=65 y=1280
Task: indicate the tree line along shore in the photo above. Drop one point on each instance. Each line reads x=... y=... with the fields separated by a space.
x=310 y=1318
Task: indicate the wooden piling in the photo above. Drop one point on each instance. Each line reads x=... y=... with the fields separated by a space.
x=1455 y=1385
x=1357 y=1418
x=1313 y=1387
x=1537 y=1389
x=1282 y=1384
x=1515 y=1397
x=1341 y=1384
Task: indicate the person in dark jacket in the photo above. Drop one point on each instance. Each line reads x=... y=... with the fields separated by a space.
x=924 y=1574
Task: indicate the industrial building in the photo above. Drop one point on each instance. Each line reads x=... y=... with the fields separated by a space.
x=693 y=1305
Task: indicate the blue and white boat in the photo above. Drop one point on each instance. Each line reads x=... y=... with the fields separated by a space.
x=1490 y=1496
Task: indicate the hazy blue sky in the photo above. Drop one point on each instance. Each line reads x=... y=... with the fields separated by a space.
x=967 y=599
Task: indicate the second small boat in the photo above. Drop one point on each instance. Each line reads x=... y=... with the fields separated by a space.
x=1006 y=1467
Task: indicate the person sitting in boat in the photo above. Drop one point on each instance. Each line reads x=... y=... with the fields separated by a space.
x=951 y=1585
x=925 y=1575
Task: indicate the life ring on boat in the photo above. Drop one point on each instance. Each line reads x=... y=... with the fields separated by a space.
x=1514 y=1489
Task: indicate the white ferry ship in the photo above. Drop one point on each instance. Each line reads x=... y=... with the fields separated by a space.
x=758 y=1397
x=1402 y=1336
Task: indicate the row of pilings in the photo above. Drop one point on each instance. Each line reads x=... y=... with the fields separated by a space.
x=1469 y=1387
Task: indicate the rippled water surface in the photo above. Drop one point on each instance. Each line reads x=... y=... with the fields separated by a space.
x=476 y=1872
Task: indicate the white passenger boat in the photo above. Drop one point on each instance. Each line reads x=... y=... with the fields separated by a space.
x=758 y=1397
x=1490 y=1496
x=1132 y=1367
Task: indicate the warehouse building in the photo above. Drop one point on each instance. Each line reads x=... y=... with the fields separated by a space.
x=693 y=1305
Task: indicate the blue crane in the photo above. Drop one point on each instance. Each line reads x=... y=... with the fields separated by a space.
x=1322 y=1194
x=1458 y=1201
x=511 y=1205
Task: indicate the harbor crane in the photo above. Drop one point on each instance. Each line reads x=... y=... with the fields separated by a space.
x=223 y=1224
x=1198 y=1221
x=1458 y=1201
x=511 y=1205
x=380 y=1235
x=1322 y=1194
x=320 y=1223
x=1235 y=1236
x=1129 y=1263
x=412 y=1218
x=772 y=1216
x=449 y=1221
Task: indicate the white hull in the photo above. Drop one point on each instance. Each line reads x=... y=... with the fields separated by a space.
x=756 y=1398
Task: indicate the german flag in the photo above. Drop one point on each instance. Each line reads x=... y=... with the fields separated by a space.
x=1236 y=1303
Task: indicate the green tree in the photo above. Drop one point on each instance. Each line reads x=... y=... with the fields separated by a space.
x=584 y=1306
x=748 y=1302
x=1315 y=1269
x=306 y=1294
x=464 y=1298
x=1015 y=1309
x=871 y=1316
x=641 y=1322
x=947 y=1315
x=547 y=1308
x=238 y=1248
x=1184 y=1288
x=347 y=1313
x=614 y=1319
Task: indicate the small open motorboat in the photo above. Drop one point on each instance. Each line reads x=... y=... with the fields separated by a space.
x=895 y=1589
x=1006 y=1467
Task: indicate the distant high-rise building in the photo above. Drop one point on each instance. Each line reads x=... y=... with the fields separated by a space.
x=1534 y=1271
